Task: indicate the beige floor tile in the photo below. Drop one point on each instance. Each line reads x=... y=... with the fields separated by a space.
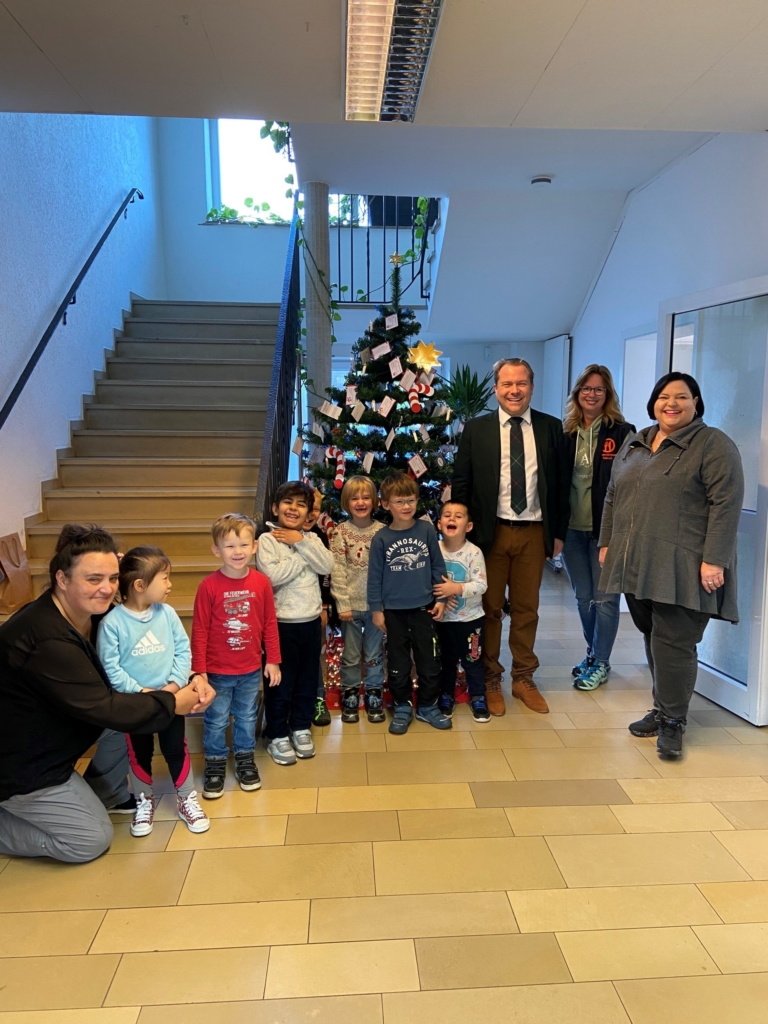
x=746 y=814
x=530 y=738
x=4 y=862
x=56 y=982
x=231 y=832
x=396 y=798
x=720 y=762
x=158 y=929
x=395 y=917
x=56 y=933
x=602 y=719
x=326 y=770
x=155 y=842
x=544 y=794
x=454 y=823
x=626 y=906
x=736 y=948
x=668 y=791
x=487 y=961
x=342 y=968
x=749 y=734
x=750 y=849
x=709 y=1000
x=350 y=827
x=634 y=953
x=546 y=765
x=601 y=738
x=510 y=722
x=716 y=716
x=237 y=804
x=661 y=859
x=357 y=743
x=562 y=821
x=566 y=701
x=139 y=880
x=464 y=865
x=329 y=1010
x=118 y=1015
x=451 y=739
x=704 y=736
x=700 y=817
x=228 y=974
x=279 y=873
x=626 y=701
x=738 y=902
x=529 y=1004
x=433 y=766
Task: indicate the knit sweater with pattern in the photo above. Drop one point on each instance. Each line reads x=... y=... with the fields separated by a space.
x=350 y=547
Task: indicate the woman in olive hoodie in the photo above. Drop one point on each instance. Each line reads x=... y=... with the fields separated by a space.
x=594 y=432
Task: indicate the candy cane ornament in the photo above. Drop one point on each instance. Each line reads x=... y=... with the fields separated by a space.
x=336 y=453
x=413 y=394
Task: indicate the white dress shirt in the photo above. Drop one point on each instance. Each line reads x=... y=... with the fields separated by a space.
x=504 y=508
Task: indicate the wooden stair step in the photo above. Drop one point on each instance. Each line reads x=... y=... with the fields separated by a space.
x=176 y=417
x=175 y=536
x=171 y=443
x=180 y=393
x=144 y=503
x=114 y=471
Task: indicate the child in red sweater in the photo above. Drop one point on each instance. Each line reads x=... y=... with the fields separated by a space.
x=234 y=616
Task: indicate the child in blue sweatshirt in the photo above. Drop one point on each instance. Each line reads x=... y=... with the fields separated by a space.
x=143 y=646
x=404 y=564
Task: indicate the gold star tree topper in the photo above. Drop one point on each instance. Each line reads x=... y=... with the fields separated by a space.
x=424 y=356
x=396 y=259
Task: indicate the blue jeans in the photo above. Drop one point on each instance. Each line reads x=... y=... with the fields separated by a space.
x=362 y=638
x=599 y=612
x=236 y=694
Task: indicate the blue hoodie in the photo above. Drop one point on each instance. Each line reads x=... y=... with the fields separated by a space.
x=144 y=651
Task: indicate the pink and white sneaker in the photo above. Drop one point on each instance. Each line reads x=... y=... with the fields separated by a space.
x=144 y=816
x=192 y=813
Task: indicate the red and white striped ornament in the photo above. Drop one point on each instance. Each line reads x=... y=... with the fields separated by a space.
x=417 y=390
x=333 y=452
x=325 y=523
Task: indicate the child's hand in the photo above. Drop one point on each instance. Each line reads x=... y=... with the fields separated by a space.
x=448 y=588
x=287 y=536
x=205 y=692
x=452 y=604
x=171 y=687
x=273 y=674
x=437 y=610
x=379 y=621
x=345 y=616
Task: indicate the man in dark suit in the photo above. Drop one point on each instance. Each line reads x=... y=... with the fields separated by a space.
x=510 y=471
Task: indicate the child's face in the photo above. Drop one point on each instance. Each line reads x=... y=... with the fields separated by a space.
x=454 y=522
x=361 y=505
x=292 y=513
x=158 y=590
x=236 y=550
x=314 y=513
x=402 y=509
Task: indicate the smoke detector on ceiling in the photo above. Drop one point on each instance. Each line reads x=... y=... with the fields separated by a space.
x=541 y=181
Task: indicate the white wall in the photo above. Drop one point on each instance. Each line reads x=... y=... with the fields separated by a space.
x=63 y=178
x=702 y=224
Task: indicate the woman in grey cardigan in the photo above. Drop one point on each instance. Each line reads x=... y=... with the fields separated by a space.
x=668 y=542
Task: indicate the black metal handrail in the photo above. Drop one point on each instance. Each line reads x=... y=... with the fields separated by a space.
x=60 y=316
x=276 y=446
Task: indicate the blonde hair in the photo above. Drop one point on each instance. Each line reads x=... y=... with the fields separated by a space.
x=611 y=410
x=232 y=522
x=398 y=485
x=359 y=485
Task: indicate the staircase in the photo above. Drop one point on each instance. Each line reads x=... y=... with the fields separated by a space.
x=171 y=439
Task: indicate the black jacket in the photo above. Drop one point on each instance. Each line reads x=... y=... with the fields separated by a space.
x=609 y=441
x=56 y=699
x=477 y=473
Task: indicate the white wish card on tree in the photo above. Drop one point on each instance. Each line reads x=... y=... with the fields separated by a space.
x=424 y=433
x=357 y=411
x=387 y=405
x=367 y=462
x=427 y=378
x=381 y=350
x=418 y=465
x=351 y=394
x=407 y=381
x=391 y=322
x=298 y=444
x=446 y=495
x=395 y=368
x=365 y=356
x=317 y=430
x=389 y=440
x=330 y=409
x=317 y=456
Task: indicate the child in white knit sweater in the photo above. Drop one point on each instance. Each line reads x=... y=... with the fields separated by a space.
x=350 y=545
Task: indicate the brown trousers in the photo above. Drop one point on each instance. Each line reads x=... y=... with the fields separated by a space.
x=516 y=561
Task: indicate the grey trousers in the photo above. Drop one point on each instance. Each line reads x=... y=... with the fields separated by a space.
x=107 y=773
x=66 y=822
x=671 y=634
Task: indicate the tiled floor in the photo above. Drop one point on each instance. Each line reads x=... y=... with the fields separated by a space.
x=543 y=869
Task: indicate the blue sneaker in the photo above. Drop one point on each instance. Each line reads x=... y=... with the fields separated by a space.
x=595 y=676
x=445 y=704
x=432 y=715
x=586 y=662
x=401 y=719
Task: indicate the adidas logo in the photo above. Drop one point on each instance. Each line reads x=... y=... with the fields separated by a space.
x=149 y=644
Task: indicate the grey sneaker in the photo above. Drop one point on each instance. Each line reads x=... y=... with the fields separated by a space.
x=432 y=715
x=281 y=751
x=302 y=743
x=401 y=719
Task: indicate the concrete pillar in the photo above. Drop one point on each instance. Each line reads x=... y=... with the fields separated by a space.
x=316 y=253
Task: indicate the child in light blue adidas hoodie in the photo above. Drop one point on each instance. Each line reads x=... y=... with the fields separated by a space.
x=143 y=646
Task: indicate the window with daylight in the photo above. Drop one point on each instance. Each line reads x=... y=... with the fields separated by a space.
x=243 y=166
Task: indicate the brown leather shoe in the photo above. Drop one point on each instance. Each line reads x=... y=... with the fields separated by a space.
x=527 y=691
x=495 y=698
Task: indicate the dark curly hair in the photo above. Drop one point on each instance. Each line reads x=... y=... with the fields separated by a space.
x=75 y=541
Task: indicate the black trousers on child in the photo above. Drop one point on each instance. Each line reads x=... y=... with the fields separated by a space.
x=173 y=746
x=412 y=630
x=289 y=706
x=462 y=642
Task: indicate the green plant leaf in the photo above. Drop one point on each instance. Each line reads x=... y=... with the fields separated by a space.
x=248 y=201
x=337 y=316
x=265 y=206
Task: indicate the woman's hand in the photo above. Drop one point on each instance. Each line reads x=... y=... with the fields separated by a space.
x=345 y=616
x=379 y=621
x=712 y=577
x=171 y=687
x=186 y=700
x=603 y=553
x=273 y=674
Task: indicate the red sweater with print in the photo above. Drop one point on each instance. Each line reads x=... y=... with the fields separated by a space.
x=233 y=619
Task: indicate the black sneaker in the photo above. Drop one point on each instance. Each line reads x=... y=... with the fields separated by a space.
x=246 y=772
x=670 y=741
x=322 y=715
x=350 y=704
x=374 y=706
x=479 y=707
x=445 y=703
x=215 y=774
x=648 y=726
x=127 y=807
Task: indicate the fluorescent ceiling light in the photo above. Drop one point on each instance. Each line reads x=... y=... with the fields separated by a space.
x=369 y=30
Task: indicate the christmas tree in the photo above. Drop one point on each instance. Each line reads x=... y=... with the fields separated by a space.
x=389 y=416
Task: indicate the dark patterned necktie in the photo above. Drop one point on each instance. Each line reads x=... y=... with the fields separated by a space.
x=518 y=494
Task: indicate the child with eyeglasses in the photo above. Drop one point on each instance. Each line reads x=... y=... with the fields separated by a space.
x=404 y=564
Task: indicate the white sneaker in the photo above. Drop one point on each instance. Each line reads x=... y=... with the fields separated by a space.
x=192 y=813
x=281 y=751
x=144 y=817
x=302 y=743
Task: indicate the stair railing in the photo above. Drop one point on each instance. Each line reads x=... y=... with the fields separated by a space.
x=281 y=407
x=60 y=316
